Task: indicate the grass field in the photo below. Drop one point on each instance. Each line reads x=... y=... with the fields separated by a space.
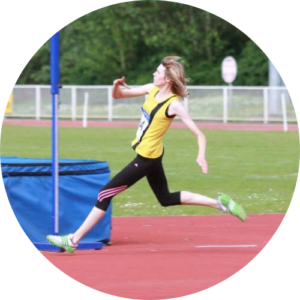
x=258 y=169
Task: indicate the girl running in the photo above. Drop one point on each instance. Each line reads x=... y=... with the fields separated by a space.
x=158 y=112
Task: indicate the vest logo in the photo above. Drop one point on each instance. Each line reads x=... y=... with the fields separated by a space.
x=136 y=165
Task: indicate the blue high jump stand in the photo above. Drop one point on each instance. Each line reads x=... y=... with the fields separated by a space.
x=55 y=86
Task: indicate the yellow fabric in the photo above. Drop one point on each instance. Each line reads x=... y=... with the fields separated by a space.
x=150 y=144
x=8 y=108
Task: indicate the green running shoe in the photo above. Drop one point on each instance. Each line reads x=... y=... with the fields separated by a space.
x=63 y=242
x=233 y=208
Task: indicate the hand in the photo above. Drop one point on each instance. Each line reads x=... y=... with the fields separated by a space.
x=203 y=164
x=121 y=82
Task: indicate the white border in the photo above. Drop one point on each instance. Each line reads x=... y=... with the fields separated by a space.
x=26 y=25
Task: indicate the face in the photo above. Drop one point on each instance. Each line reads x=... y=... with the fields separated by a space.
x=159 y=78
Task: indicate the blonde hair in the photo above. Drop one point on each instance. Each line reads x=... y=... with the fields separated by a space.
x=175 y=71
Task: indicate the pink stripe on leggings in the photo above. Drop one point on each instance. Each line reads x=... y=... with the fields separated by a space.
x=111 y=192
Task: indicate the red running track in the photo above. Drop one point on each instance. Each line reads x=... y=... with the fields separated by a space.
x=114 y=124
x=168 y=257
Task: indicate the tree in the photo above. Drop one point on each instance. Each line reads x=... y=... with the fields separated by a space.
x=132 y=38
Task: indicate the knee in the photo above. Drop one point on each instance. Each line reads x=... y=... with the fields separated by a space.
x=102 y=200
x=103 y=205
x=169 y=199
x=163 y=202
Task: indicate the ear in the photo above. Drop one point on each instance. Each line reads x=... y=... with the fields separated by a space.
x=168 y=80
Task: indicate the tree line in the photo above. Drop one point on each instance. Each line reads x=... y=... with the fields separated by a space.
x=130 y=39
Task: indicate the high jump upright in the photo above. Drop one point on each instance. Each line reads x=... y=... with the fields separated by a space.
x=54 y=65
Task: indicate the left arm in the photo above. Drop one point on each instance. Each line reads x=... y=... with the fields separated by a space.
x=176 y=108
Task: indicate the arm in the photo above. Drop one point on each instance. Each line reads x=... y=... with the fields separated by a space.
x=176 y=108
x=128 y=92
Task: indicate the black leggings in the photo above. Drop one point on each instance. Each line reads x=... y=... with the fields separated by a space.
x=133 y=172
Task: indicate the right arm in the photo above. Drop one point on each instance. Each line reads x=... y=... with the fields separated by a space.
x=128 y=92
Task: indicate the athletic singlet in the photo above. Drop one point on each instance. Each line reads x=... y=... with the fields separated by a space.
x=154 y=123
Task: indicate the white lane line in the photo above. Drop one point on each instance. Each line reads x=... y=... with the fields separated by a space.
x=226 y=246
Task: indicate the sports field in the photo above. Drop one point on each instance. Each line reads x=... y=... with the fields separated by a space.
x=257 y=168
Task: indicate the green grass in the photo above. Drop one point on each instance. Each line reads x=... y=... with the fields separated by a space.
x=258 y=169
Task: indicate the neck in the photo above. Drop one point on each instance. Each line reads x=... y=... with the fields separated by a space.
x=164 y=90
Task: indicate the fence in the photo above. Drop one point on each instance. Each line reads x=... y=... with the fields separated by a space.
x=205 y=103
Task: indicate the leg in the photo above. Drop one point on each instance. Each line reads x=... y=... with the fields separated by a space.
x=132 y=173
x=224 y=203
x=159 y=185
x=158 y=182
x=188 y=198
x=92 y=219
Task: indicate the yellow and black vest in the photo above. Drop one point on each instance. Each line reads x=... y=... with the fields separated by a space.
x=154 y=123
